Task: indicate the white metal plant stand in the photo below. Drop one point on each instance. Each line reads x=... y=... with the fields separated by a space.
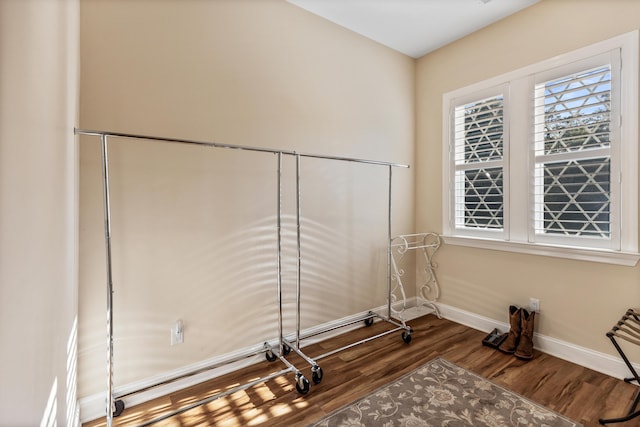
x=401 y=246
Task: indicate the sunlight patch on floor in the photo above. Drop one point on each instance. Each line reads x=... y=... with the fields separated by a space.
x=299 y=404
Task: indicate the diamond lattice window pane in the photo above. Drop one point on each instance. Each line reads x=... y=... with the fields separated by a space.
x=481 y=204
x=480 y=129
x=577 y=112
x=576 y=198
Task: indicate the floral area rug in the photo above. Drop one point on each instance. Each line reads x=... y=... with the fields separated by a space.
x=442 y=394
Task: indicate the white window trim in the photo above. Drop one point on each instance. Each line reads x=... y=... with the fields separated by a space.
x=517 y=239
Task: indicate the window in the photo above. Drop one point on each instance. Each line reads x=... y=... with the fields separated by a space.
x=572 y=155
x=479 y=164
x=544 y=160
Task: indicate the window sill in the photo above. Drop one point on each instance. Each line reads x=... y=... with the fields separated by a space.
x=593 y=255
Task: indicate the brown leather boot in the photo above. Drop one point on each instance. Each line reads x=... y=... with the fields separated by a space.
x=525 y=347
x=511 y=343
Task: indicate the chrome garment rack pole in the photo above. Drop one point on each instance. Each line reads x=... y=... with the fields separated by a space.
x=176 y=141
x=389 y=247
x=401 y=324
x=299 y=250
x=110 y=409
x=316 y=371
x=113 y=406
x=232 y=146
x=284 y=347
x=279 y=256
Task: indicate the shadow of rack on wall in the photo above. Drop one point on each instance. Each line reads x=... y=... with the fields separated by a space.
x=114 y=403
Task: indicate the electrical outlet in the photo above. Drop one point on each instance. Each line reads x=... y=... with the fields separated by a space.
x=177 y=333
x=534 y=305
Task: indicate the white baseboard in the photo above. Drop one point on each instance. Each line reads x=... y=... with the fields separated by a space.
x=93 y=407
x=601 y=362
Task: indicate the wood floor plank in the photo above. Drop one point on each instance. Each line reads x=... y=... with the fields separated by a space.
x=577 y=392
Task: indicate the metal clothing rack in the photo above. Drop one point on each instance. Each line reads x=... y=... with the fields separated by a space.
x=427 y=244
x=114 y=403
x=368 y=318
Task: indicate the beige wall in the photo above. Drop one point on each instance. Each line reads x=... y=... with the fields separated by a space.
x=579 y=300
x=38 y=211
x=193 y=228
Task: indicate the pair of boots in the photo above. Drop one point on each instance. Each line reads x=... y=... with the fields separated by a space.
x=520 y=339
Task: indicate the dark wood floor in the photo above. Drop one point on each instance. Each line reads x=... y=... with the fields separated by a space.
x=579 y=393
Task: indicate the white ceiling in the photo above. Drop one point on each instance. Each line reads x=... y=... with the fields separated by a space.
x=413 y=27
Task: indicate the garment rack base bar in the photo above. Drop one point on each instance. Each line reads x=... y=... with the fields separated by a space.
x=218 y=396
x=210 y=367
x=368 y=321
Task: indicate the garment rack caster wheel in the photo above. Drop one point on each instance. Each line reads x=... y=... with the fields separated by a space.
x=368 y=321
x=270 y=356
x=316 y=374
x=118 y=408
x=302 y=384
x=286 y=349
x=406 y=336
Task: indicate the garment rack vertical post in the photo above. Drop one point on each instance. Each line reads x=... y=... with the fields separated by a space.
x=114 y=402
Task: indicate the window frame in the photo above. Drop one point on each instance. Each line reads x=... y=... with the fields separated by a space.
x=613 y=151
x=518 y=235
x=484 y=94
